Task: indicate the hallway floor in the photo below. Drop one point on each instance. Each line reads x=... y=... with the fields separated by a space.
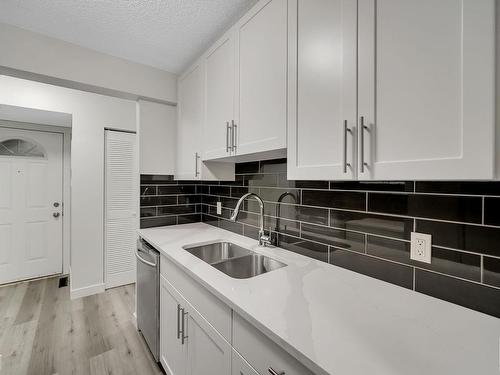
x=44 y=332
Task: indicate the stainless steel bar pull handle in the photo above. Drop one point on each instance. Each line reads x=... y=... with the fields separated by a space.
x=274 y=372
x=233 y=135
x=363 y=127
x=178 y=321
x=151 y=264
x=228 y=148
x=183 y=327
x=346 y=130
x=196 y=157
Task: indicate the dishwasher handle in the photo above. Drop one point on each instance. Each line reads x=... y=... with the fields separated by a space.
x=144 y=260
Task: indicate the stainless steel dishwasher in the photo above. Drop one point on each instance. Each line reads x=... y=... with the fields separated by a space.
x=148 y=295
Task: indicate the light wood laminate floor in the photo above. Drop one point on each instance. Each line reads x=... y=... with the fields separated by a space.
x=44 y=332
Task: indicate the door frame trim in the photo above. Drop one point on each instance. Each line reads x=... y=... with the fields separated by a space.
x=66 y=199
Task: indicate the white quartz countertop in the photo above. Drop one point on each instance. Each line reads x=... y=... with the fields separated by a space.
x=336 y=321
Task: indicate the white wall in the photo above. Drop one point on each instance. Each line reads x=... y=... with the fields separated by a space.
x=157 y=125
x=91 y=113
x=35 y=53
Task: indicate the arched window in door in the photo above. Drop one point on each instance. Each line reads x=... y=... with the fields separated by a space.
x=22 y=148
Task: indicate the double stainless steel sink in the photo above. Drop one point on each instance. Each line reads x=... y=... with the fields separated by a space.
x=235 y=261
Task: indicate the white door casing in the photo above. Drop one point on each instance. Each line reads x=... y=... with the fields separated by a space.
x=31 y=186
x=120 y=207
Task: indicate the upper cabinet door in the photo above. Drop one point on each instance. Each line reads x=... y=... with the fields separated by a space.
x=190 y=123
x=426 y=89
x=322 y=89
x=219 y=103
x=262 y=74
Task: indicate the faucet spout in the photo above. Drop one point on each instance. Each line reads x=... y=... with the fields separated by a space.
x=263 y=239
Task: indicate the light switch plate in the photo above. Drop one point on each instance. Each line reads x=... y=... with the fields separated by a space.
x=219 y=208
x=421 y=247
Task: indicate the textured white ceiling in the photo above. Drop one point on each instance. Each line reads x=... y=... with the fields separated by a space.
x=167 y=34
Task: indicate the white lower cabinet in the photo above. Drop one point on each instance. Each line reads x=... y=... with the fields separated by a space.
x=189 y=345
x=240 y=366
x=172 y=352
x=227 y=344
x=208 y=352
x=264 y=355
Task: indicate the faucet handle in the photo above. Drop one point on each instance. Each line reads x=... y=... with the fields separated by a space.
x=266 y=239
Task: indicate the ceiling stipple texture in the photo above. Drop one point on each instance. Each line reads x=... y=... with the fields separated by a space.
x=167 y=34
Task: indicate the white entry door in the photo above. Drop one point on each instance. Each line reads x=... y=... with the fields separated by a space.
x=31 y=192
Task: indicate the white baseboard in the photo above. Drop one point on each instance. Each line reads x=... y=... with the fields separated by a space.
x=87 y=291
x=119 y=279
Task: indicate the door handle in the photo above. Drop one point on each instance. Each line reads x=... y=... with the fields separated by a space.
x=274 y=372
x=233 y=135
x=178 y=321
x=183 y=327
x=144 y=260
x=228 y=148
x=196 y=157
x=346 y=130
x=56 y=214
x=362 y=129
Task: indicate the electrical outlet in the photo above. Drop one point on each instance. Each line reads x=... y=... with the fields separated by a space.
x=421 y=247
x=219 y=208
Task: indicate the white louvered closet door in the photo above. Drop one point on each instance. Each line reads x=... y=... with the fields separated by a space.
x=121 y=205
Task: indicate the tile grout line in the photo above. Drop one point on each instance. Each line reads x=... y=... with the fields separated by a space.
x=414 y=277
x=482 y=210
x=482 y=269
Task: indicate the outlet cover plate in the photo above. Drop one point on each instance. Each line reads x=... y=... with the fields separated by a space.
x=219 y=208
x=421 y=247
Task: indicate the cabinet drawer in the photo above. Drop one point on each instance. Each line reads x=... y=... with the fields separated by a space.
x=262 y=353
x=240 y=366
x=211 y=308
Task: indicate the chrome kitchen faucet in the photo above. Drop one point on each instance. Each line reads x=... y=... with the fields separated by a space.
x=264 y=240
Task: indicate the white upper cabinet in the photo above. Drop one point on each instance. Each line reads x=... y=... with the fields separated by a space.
x=322 y=89
x=357 y=89
x=261 y=40
x=157 y=129
x=190 y=142
x=220 y=98
x=426 y=89
x=190 y=125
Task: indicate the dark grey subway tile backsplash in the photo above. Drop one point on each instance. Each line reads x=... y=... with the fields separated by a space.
x=361 y=226
x=452 y=208
x=165 y=201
